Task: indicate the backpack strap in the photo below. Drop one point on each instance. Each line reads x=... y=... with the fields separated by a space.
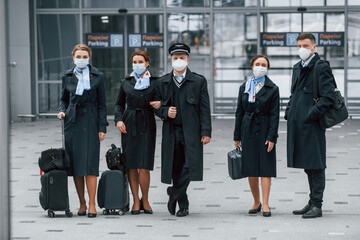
x=315 y=81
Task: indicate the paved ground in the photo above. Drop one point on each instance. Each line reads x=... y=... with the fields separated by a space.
x=218 y=205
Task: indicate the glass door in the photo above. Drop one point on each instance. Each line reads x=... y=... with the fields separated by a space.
x=282 y=59
x=115 y=61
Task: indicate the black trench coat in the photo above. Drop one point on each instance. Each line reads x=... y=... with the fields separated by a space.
x=196 y=120
x=85 y=118
x=138 y=116
x=306 y=143
x=256 y=123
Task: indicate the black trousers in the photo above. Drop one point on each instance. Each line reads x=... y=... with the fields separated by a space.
x=180 y=171
x=316 y=178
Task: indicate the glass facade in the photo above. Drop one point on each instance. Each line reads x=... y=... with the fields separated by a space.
x=223 y=36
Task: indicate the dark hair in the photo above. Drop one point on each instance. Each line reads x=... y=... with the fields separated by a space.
x=252 y=61
x=303 y=36
x=141 y=53
x=82 y=47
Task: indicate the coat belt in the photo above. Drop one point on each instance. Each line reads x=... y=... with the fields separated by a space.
x=138 y=110
x=253 y=116
x=79 y=108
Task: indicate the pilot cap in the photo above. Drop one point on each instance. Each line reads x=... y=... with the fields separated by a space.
x=179 y=48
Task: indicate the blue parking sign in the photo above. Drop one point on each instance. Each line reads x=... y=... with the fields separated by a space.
x=116 y=40
x=134 y=40
x=291 y=39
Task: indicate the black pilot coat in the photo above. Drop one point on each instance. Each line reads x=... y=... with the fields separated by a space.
x=306 y=143
x=256 y=123
x=196 y=120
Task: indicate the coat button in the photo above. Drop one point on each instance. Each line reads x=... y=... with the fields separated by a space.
x=191 y=99
x=304 y=88
x=257 y=134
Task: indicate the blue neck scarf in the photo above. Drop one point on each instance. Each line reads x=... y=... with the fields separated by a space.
x=84 y=81
x=250 y=87
x=142 y=81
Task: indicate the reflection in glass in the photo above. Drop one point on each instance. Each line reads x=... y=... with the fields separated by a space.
x=57 y=3
x=122 y=3
x=235 y=43
x=49 y=97
x=187 y=3
x=296 y=3
x=112 y=61
x=192 y=29
x=235 y=3
x=57 y=35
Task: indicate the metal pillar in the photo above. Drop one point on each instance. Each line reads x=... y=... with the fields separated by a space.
x=4 y=128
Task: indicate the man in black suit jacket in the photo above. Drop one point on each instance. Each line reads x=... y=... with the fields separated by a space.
x=185 y=111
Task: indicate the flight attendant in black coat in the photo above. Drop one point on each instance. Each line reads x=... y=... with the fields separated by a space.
x=256 y=131
x=83 y=104
x=135 y=119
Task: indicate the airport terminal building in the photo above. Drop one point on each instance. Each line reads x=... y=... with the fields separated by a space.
x=223 y=35
x=37 y=38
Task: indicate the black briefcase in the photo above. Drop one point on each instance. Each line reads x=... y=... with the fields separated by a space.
x=235 y=164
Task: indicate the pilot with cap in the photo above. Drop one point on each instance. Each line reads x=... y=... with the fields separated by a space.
x=185 y=112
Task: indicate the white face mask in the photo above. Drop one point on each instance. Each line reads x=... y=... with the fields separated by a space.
x=179 y=64
x=81 y=63
x=259 y=71
x=304 y=53
x=139 y=68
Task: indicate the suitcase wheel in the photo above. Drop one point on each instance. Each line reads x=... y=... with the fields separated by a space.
x=68 y=213
x=106 y=212
x=51 y=214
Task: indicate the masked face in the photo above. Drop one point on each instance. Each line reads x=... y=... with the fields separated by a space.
x=305 y=48
x=81 y=63
x=81 y=59
x=259 y=71
x=139 y=68
x=304 y=53
x=179 y=61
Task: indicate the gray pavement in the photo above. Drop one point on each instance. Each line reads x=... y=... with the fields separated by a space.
x=218 y=205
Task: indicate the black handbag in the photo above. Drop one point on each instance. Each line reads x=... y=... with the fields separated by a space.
x=115 y=159
x=235 y=164
x=337 y=112
x=54 y=158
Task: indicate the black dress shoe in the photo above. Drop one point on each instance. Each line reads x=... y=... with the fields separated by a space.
x=82 y=213
x=171 y=203
x=267 y=214
x=182 y=212
x=314 y=212
x=146 y=211
x=91 y=215
x=302 y=211
x=256 y=210
x=135 y=212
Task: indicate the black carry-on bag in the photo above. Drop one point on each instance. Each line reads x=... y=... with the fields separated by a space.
x=54 y=182
x=113 y=190
x=235 y=164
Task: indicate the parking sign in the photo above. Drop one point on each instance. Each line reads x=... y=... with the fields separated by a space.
x=116 y=40
x=134 y=40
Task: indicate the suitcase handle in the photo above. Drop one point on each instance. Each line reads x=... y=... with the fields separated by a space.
x=62 y=132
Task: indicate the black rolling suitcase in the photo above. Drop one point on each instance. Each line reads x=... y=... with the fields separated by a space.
x=113 y=190
x=54 y=182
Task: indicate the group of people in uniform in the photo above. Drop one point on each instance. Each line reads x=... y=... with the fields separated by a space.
x=181 y=100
